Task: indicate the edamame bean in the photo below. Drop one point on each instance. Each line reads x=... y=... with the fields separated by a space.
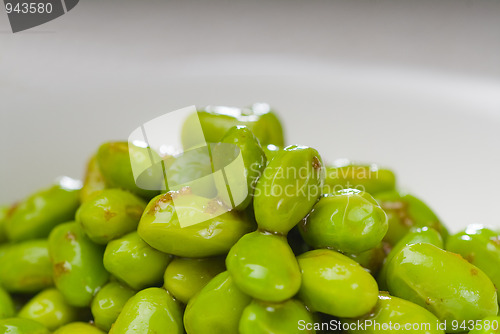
x=350 y=221
x=264 y=267
x=149 y=311
x=442 y=282
x=108 y=303
x=369 y=178
x=217 y=120
x=481 y=247
x=78 y=328
x=405 y=211
x=77 y=264
x=184 y=277
x=393 y=315
x=334 y=284
x=114 y=161
x=38 y=214
x=110 y=214
x=240 y=142
x=93 y=182
x=283 y=318
x=415 y=236
x=214 y=232
x=50 y=309
x=217 y=308
x=134 y=262
x=288 y=188
x=25 y=267
x=21 y=326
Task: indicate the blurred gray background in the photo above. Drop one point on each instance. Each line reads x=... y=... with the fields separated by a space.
x=414 y=85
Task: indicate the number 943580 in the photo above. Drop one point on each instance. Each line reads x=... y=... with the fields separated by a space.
x=29 y=8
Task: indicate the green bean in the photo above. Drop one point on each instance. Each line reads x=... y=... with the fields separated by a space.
x=25 y=267
x=134 y=262
x=37 y=215
x=77 y=264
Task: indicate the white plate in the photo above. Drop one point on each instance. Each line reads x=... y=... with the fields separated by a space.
x=440 y=134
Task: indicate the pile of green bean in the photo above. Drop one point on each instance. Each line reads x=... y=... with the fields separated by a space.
x=310 y=248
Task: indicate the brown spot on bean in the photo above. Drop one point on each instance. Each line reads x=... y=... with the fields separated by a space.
x=12 y=209
x=386 y=247
x=495 y=240
x=437 y=226
x=165 y=198
x=61 y=268
x=400 y=209
x=398 y=205
x=474 y=271
x=407 y=222
x=108 y=214
x=168 y=197
x=470 y=257
x=316 y=163
x=70 y=236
